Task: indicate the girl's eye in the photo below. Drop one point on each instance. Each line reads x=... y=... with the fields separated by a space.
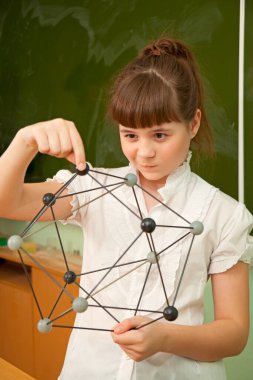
x=130 y=136
x=160 y=136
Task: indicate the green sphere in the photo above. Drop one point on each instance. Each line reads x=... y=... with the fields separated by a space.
x=15 y=242
x=151 y=257
x=80 y=304
x=196 y=228
x=130 y=179
x=44 y=325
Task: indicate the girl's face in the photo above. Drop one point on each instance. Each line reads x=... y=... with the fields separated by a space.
x=157 y=151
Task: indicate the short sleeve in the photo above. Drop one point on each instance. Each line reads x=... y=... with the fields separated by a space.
x=62 y=176
x=247 y=257
x=234 y=244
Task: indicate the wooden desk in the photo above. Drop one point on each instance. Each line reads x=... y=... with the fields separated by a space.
x=40 y=355
x=51 y=260
x=10 y=372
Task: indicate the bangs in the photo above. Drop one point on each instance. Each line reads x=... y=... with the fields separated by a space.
x=144 y=101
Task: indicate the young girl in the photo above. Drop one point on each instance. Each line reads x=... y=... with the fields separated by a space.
x=157 y=103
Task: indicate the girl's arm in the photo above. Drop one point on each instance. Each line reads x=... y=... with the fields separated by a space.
x=226 y=336
x=58 y=138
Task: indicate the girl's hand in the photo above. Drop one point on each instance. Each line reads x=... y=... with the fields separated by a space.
x=58 y=138
x=142 y=343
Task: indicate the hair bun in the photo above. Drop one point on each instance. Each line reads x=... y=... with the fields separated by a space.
x=166 y=46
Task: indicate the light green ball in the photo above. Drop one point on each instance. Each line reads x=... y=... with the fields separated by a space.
x=44 y=325
x=196 y=228
x=151 y=257
x=15 y=242
x=80 y=304
x=130 y=179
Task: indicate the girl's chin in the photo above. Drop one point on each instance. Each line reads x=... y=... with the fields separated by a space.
x=154 y=177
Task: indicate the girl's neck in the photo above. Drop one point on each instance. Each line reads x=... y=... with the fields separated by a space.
x=152 y=187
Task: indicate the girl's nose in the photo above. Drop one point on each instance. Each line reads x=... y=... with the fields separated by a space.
x=146 y=149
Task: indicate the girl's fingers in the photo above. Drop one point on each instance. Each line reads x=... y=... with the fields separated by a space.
x=40 y=140
x=58 y=138
x=78 y=147
x=128 y=338
x=66 y=143
x=129 y=324
x=55 y=148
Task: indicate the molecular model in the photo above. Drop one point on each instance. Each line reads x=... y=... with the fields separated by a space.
x=152 y=257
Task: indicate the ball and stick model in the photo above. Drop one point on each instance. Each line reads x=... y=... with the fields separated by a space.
x=147 y=227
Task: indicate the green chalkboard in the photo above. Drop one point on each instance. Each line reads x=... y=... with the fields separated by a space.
x=57 y=60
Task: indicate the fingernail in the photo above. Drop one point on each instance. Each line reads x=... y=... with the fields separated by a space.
x=118 y=329
x=81 y=166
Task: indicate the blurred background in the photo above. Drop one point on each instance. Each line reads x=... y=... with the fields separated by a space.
x=59 y=57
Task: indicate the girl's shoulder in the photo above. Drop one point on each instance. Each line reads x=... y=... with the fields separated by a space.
x=224 y=210
x=221 y=208
x=220 y=199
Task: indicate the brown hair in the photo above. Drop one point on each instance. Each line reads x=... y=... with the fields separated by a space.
x=161 y=85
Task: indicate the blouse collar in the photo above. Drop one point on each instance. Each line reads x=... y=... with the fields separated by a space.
x=177 y=180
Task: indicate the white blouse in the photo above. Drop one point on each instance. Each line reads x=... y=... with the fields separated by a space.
x=111 y=233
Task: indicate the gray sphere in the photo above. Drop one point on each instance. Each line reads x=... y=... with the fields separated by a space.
x=196 y=228
x=130 y=179
x=80 y=304
x=44 y=325
x=15 y=242
x=151 y=257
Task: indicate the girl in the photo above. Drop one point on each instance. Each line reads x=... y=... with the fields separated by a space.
x=157 y=103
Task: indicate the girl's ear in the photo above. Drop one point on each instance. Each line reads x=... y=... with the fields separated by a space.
x=195 y=124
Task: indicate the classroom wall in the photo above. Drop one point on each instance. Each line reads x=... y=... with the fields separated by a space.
x=58 y=58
